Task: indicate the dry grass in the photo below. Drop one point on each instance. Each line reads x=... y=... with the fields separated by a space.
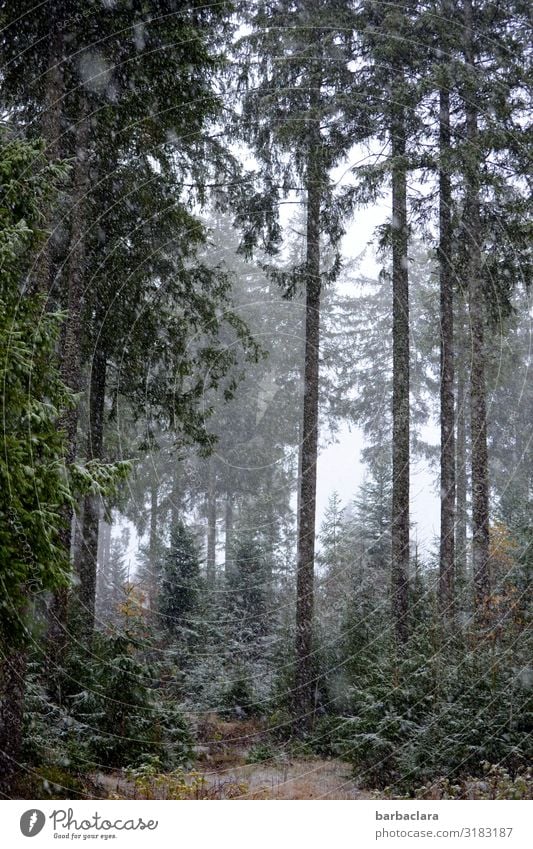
x=309 y=778
x=222 y=771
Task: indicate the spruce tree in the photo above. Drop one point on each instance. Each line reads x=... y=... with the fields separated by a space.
x=180 y=590
x=249 y=596
x=295 y=116
x=447 y=356
x=388 y=42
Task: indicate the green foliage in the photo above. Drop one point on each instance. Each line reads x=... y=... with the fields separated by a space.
x=121 y=719
x=151 y=783
x=52 y=782
x=181 y=582
x=248 y=585
x=496 y=782
x=433 y=713
x=238 y=700
x=33 y=484
x=98 y=478
x=260 y=753
x=47 y=727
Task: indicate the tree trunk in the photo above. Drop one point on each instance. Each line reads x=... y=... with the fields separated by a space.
x=271 y=536
x=12 y=686
x=299 y=478
x=87 y=562
x=50 y=129
x=70 y=353
x=152 y=550
x=400 y=394
x=447 y=425
x=211 y=561
x=228 y=531
x=478 y=401
x=104 y=546
x=304 y=681
x=461 y=544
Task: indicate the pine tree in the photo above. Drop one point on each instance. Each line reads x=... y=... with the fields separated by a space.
x=295 y=116
x=249 y=596
x=387 y=36
x=112 y=580
x=447 y=365
x=179 y=595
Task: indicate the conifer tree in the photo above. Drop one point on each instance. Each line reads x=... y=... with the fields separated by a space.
x=388 y=38
x=249 y=595
x=180 y=589
x=295 y=116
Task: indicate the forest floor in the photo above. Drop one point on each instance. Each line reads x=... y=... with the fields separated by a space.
x=298 y=778
x=234 y=761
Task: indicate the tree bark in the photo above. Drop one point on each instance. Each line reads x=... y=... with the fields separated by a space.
x=447 y=412
x=152 y=548
x=461 y=544
x=478 y=402
x=211 y=559
x=400 y=393
x=50 y=128
x=228 y=531
x=304 y=681
x=12 y=688
x=271 y=536
x=88 y=559
x=104 y=546
x=70 y=367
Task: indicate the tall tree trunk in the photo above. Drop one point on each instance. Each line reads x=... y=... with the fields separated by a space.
x=447 y=425
x=152 y=548
x=478 y=401
x=400 y=393
x=12 y=687
x=71 y=370
x=228 y=532
x=176 y=496
x=461 y=544
x=211 y=560
x=304 y=680
x=271 y=536
x=104 y=547
x=50 y=129
x=299 y=476
x=88 y=559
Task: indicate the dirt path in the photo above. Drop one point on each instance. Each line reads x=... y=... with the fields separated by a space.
x=306 y=778
x=295 y=779
x=223 y=770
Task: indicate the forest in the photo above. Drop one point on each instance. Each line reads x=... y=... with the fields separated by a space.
x=266 y=441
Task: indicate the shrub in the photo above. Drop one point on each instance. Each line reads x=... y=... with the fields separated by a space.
x=122 y=721
x=433 y=713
